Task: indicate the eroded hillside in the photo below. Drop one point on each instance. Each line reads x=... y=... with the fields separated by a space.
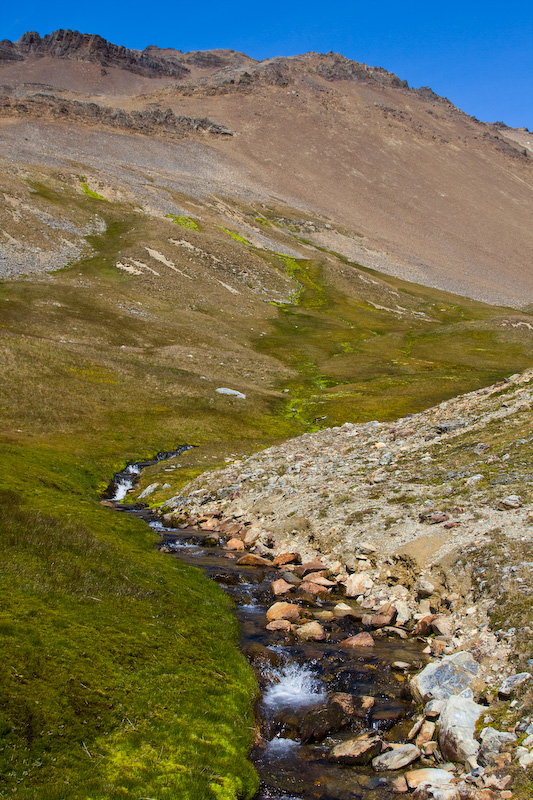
x=426 y=192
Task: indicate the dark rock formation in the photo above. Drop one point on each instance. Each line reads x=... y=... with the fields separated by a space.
x=144 y=121
x=75 y=46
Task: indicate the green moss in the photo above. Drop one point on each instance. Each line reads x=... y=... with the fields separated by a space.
x=130 y=714
x=183 y=222
x=233 y=235
x=91 y=192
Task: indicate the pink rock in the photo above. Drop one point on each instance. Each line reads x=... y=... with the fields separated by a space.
x=286 y=558
x=235 y=544
x=313 y=588
x=283 y=610
x=249 y=560
x=279 y=625
x=281 y=587
x=309 y=566
x=320 y=579
x=362 y=639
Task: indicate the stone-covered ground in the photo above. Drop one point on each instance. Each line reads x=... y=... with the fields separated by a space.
x=425 y=525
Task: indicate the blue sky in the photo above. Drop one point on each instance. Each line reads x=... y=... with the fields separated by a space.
x=479 y=55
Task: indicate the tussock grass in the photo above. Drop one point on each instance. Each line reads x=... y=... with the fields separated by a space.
x=119 y=667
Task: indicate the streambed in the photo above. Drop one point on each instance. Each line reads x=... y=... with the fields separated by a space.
x=302 y=682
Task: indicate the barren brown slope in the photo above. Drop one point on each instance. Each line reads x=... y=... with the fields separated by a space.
x=438 y=197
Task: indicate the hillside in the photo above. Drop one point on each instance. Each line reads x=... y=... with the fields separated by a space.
x=200 y=248
x=423 y=191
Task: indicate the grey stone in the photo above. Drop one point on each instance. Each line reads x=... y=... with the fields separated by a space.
x=511 y=683
x=525 y=759
x=457 y=725
x=442 y=679
x=449 y=426
x=149 y=490
x=232 y=392
x=511 y=501
x=424 y=588
x=397 y=758
x=492 y=742
x=403 y=614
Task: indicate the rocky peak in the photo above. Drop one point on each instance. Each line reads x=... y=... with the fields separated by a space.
x=76 y=46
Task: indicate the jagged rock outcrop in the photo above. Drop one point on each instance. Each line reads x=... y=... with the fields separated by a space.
x=77 y=46
x=144 y=121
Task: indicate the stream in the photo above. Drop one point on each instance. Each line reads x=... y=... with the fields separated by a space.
x=304 y=685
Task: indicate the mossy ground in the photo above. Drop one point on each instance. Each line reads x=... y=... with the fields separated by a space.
x=358 y=360
x=183 y=222
x=121 y=676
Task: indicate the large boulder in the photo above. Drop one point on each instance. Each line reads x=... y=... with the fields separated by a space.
x=358 y=751
x=356 y=705
x=457 y=725
x=442 y=679
x=322 y=720
x=397 y=758
x=282 y=610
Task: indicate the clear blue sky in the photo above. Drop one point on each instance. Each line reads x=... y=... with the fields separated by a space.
x=478 y=54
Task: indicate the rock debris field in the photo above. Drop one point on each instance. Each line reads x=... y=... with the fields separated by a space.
x=422 y=527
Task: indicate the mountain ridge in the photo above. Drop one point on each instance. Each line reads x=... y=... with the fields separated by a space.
x=155 y=61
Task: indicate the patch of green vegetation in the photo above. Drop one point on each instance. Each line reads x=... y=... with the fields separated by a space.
x=503 y=462
x=91 y=192
x=107 y=649
x=357 y=360
x=120 y=671
x=183 y=222
x=234 y=235
x=341 y=499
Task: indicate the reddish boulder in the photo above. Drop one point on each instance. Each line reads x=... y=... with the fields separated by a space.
x=287 y=558
x=362 y=639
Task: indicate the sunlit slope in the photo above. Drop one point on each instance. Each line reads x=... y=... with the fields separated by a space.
x=121 y=674
x=435 y=196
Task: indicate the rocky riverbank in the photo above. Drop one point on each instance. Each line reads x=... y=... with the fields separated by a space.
x=423 y=526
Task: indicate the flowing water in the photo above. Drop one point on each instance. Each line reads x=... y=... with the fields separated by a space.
x=297 y=678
